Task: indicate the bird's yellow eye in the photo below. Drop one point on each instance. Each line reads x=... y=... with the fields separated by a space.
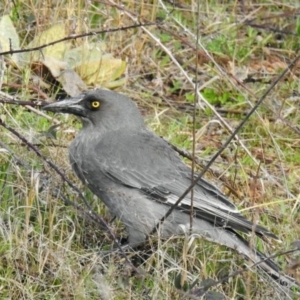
x=95 y=104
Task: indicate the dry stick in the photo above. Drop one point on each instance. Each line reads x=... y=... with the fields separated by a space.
x=95 y=217
x=23 y=103
x=11 y=100
x=271 y=29
x=226 y=143
x=196 y=98
x=29 y=87
x=76 y=36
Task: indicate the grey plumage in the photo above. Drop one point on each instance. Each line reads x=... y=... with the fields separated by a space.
x=139 y=176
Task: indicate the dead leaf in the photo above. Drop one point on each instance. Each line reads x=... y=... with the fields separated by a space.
x=101 y=71
x=94 y=66
x=57 y=51
x=53 y=70
x=71 y=82
x=270 y=65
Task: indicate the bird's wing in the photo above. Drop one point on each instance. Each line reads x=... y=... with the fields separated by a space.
x=144 y=161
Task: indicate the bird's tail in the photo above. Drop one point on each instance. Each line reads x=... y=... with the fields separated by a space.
x=233 y=240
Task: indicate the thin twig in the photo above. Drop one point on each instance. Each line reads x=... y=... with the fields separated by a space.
x=76 y=36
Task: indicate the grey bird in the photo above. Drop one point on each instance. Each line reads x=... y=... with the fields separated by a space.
x=139 y=176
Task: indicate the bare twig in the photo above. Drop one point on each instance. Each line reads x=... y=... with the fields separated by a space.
x=76 y=36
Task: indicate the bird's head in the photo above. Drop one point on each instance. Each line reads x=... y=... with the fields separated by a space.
x=103 y=108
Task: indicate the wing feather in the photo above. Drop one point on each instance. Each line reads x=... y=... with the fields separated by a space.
x=157 y=170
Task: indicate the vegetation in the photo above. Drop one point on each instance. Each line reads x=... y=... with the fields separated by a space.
x=233 y=50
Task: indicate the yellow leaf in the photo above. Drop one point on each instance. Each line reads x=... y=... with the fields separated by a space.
x=52 y=34
x=105 y=70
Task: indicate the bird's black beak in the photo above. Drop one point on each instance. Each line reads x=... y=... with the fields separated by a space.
x=70 y=106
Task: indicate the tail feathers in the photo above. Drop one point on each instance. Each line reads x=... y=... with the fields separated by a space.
x=233 y=240
x=269 y=267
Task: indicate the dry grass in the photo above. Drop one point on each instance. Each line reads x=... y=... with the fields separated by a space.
x=50 y=251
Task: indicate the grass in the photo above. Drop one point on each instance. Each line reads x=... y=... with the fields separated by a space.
x=49 y=250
